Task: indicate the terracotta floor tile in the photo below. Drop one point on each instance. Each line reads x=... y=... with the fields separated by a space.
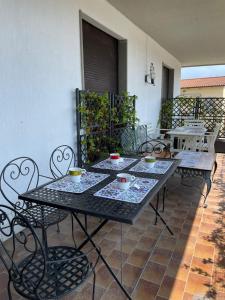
x=187 y=296
x=190 y=229
x=138 y=258
x=209 y=218
x=184 y=255
x=197 y=284
x=113 y=293
x=176 y=232
x=176 y=221
x=204 y=251
x=220 y=296
x=167 y=242
x=134 y=233
x=107 y=246
x=202 y=266
x=114 y=235
x=114 y=259
x=153 y=232
x=172 y=288
x=185 y=240
x=130 y=275
x=128 y=245
x=145 y=290
x=146 y=243
x=161 y=256
x=178 y=269
x=103 y=277
x=154 y=272
x=219 y=280
x=205 y=239
x=142 y=223
x=85 y=293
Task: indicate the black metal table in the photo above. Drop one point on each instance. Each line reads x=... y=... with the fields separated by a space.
x=106 y=209
x=198 y=164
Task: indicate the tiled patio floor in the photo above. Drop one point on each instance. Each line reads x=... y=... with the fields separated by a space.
x=189 y=265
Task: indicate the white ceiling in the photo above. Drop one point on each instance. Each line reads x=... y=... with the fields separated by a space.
x=192 y=30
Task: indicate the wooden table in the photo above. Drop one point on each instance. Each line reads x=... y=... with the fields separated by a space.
x=198 y=164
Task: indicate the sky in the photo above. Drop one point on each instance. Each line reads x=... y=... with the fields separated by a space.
x=204 y=71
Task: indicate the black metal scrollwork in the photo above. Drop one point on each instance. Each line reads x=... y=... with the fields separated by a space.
x=155 y=147
x=19 y=175
x=62 y=158
x=28 y=241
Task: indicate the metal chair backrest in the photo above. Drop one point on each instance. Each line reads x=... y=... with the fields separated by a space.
x=18 y=176
x=132 y=138
x=62 y=158
x=28 y=243
x=141 y=134
x=155 y=148
x=128 y=141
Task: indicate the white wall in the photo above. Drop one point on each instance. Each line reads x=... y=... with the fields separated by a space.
x=40 y=67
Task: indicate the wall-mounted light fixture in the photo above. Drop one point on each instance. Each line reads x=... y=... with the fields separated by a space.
x=150 y=78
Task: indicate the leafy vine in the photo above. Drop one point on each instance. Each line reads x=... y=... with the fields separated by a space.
x=102 y=119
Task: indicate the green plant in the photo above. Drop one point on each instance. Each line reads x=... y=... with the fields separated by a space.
x=166 y=112
x=100 y=121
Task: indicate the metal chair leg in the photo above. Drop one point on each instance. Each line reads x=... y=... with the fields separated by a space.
x=157 y=207
x=164 y=196
x=58 y=230
x=73 y=231
x=85 y=221
x=93 y=289
x=164 y=222
x=9 y=290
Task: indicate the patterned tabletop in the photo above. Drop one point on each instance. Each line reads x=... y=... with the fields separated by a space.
x=196 y=160
x=160 y=167
x=66 y=184
x=122 y=164
x=139 y=188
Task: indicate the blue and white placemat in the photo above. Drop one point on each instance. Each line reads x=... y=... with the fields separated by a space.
x=135 y=194
x=88 y=180
x=160 y=167
x=106 y=164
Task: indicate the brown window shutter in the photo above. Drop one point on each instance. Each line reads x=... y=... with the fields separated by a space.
x=100 y=54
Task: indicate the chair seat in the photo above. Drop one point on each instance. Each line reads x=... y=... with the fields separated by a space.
x=60 y=278
x=40 y=215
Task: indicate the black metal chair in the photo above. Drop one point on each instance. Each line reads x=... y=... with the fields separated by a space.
x=62 y=158
x=159 y=149
x=156 y=148
x=39 y=275
x=21 y=175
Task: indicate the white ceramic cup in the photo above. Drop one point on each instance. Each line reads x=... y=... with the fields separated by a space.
x=124 y=180
x=115 y=158
x=76 y=173
x=149 y=161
